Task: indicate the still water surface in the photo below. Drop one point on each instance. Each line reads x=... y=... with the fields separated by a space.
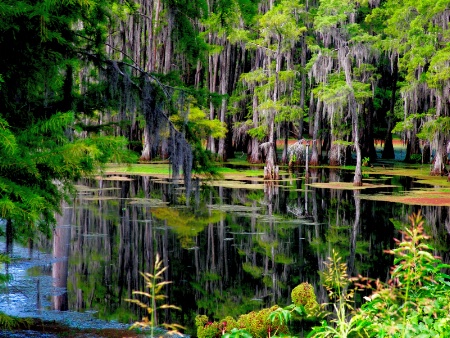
x=239 y=246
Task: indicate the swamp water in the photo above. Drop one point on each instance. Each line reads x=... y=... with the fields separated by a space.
x=241 y=245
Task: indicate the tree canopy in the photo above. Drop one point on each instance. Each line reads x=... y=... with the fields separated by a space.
x=83 y=81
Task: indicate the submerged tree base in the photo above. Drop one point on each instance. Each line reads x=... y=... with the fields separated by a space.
x=272 y=174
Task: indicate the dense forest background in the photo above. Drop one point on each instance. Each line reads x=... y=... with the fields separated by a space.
x=84 y=81
x=342 y=73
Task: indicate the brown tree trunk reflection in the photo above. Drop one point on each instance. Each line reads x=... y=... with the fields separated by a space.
x=61 y=245
x=354 y=234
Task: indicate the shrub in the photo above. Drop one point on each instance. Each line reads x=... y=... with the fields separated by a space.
x=207 y=329
x=256 y=323
x=303 y=294
x=259 y=324
x=416 y=300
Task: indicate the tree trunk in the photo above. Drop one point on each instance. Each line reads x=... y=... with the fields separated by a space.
x=353 y=107
x=439 y=158
x=388 y=150
x=426 y=153
x=413 y=145
x=335 y=153
x=146 y=151
x=357 y=180
x=213 y=69
x=271 y=171
x=314 y=161
x=284 y=157
x=255 y=155
x=303 y=86
x=224 y=84
x=9 y=236
x=368 y=144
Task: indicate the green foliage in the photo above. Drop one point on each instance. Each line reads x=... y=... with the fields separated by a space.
x=365 y=161
x=336 y=281
x=434 y=126
x=416 y=300
x=186 y=224
x=235 y=333
x=254 y=271
x=42 y=156
x=261 y=323
x=39 y=166
x=415 y=158
x=9 y=322
x=207 y=329
x=4 y=277
x=414 y=303
x=268 y=322
x=408 y=123
x=200 y=125
x=334 y=277
x=303 y=295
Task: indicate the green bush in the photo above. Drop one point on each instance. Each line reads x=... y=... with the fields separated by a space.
x=207 y=329
x=303 y=295
x=259 y=324
x=256 y=323
x=416 y=301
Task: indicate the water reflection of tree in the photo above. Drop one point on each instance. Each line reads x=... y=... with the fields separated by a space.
x=233 y=251
x=61 y=251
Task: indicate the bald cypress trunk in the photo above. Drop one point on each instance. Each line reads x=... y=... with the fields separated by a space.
x=255 y=151
x=438 y=160
x=367 y=141
x=271 y=170
x=225 y=75
x=388 y=150
x=314 y=161
x=213 y=74
x=354 y=108
x=303 y=86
